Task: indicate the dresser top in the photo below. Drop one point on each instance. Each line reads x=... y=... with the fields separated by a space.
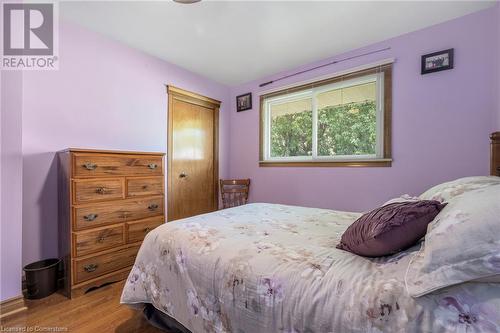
x=100 y=151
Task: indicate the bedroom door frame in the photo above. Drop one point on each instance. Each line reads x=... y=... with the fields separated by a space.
x=175 y=93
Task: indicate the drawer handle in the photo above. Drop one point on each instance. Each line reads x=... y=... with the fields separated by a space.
x=146 y=230
x=90 y=217
x=90 y=166
x=152 y=166
x=90 y=268
x=153 y=207
x=101 y=239
x=101 y=190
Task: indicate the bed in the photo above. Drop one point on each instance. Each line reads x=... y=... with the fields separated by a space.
x=274 y=268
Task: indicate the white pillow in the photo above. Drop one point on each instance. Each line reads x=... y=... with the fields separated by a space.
x=462 y=243
x=446 y=192
x=403 y=198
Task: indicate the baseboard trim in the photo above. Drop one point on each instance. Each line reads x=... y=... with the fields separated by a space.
x=12 y=306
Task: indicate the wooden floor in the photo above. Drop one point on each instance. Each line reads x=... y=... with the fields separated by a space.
x=98 y=311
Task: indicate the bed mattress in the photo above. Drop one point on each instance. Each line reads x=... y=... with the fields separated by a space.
x=272 y=268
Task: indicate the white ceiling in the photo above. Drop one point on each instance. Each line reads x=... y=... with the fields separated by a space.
x=233 y=42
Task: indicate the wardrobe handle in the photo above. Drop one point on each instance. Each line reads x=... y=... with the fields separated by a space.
x=90 y=217
x=90 y=267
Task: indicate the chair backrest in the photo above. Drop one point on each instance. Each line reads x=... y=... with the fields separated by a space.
x=234 y=192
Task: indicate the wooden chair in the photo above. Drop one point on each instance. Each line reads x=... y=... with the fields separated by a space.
x=234 y=192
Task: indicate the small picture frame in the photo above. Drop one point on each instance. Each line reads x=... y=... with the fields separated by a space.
x=437 y=61
x=244 y=102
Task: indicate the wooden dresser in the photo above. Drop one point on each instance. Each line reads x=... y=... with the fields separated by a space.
x=108 y=202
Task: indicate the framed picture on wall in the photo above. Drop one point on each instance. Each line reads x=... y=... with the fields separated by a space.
x=437 y=61
x=244 y=102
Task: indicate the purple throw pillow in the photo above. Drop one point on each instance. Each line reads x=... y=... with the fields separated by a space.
x=389 y=229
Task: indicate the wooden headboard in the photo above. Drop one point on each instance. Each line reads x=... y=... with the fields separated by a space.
x=495 y=154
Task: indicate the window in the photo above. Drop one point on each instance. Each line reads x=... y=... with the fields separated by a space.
x=341 y=121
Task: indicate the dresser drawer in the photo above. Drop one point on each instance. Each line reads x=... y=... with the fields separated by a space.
x=97 y=165
x=99 y=239
x=95 y=266
x=90 y=216
x=136 y=231
x=144 y=186
x=90 y=190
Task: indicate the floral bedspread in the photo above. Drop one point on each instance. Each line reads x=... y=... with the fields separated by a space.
x=274 y=268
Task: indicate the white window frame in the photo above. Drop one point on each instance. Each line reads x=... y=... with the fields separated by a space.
x=312 y=93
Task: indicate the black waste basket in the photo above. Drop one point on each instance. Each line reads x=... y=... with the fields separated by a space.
x=41 y=278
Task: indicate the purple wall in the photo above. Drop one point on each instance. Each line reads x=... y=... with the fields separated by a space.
x=11 y=183
x=441 y=123
x=104 y=95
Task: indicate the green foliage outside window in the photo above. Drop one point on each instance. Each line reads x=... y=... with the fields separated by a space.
x=348 y=129
x=291 y=135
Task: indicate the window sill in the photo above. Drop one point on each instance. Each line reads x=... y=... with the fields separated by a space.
x=382 y=162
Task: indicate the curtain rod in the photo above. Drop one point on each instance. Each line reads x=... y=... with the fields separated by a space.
x=321 y=66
